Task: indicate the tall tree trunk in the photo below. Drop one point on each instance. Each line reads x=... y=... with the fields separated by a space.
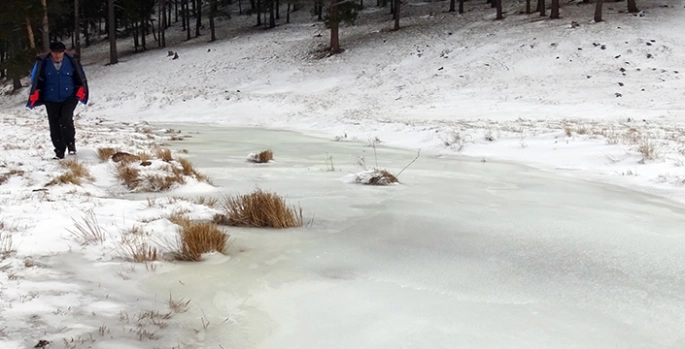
x=335 y=39
x=183 y=14
x=555 y=9
x=461 y=6
x=30 y=35
x=113 y=59
x=598 y=11
x=176 y=11
x=160 y=15
x=186 y=18
x=278 y=9
x=259 y=12
x=86 y=35
x=287 y=14
x=143 y=33
x=45 y=28
x=212 y=13
x=77 y=34
x=240 y=7
x=135 y=36
x=16 y=83
x=397 y=14
x=320 y=10
x=198 y=14
x=162 y=31
x=541 y=7
x=154 y=32
x=272 y=14
x=527 y=7
x=453 y=6
x=499 y=10
x=632 y=6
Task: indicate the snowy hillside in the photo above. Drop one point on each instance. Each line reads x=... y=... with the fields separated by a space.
x=550 y=93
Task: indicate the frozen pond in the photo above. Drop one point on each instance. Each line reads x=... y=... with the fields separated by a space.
x=463 y=254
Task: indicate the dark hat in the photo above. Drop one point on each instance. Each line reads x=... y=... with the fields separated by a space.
x=57 y=46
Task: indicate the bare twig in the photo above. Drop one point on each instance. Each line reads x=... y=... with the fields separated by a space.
x=405 y=167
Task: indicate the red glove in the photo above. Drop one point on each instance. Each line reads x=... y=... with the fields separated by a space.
x=81 y=93
x=34 y=97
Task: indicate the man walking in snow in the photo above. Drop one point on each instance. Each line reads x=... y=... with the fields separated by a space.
x=58 y=81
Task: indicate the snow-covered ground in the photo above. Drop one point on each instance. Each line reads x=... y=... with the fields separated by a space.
x=603 y=101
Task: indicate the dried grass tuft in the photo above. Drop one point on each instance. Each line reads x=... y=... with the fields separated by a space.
x=164 y=154
x=178 y=306
x=6 y=245
x=104 y=154
x=75 y=173
x=133 y=248
x=377 y=177
x=206 y=201
x=197 y=238
x=130 y=176
x=88 y=231
x=648 y=150
x=259 y=209
x=262 y=157
x=7 y=175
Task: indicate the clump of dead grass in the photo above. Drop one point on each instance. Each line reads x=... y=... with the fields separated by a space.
x=173 y=173
x=188 y=170
x=376 y=177
x=196 y=238
x=7 y=175
x=6 y=245
x=261 y=158
x=104 y=154
x=206 y=201
x=144 y=156
x=88 y=231
x=178 y=306
x=648 y=149
x=133 y=248
x=259 y=209
x=164 y=154
x=129 y=175
x=76 y=172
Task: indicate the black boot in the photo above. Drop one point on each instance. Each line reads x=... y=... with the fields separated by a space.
x=72 y=148
x=58 y=155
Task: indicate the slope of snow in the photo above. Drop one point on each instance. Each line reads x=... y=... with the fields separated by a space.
x=555 y=96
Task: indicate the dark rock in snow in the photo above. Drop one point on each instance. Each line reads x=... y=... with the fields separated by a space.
x=620 y=84
x=42 y=344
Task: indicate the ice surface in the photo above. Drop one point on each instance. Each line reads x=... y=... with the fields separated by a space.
x=460 y=255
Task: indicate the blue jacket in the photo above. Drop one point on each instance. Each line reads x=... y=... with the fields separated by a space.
x=57 y=85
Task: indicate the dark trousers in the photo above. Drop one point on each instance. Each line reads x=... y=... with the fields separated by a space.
x=61 y=120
